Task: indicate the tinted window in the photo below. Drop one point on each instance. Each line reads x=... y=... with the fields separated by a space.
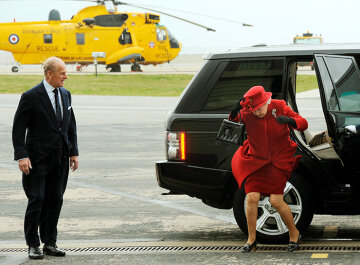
x=329 y=90
x=346 y=82
x=47 y=38
x=343 y=119
x=80 y=38
x=110 y=20
x=238 y=77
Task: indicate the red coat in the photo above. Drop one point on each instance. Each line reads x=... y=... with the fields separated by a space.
x=268 y=142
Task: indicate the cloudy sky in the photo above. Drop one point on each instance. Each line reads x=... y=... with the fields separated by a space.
x=275 y=22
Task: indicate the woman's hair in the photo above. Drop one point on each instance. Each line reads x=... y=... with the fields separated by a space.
x=268 y=102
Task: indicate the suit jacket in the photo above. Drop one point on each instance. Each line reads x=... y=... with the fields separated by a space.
x=268 y=142
x=36 y=132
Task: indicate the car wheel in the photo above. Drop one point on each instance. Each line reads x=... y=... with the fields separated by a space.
x=270 y=228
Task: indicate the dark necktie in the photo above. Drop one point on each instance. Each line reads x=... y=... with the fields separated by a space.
x=57 y=107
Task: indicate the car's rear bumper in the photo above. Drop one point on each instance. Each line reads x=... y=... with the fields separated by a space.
x=200 y=182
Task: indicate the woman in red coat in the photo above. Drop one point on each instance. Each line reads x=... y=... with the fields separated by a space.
x=266 y=159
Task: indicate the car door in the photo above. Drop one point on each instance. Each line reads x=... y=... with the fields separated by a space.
x=339 y=84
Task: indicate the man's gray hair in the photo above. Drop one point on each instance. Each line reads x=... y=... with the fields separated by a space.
x=50 y=64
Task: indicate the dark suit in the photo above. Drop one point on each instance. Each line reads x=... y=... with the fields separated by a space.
x=36 y=135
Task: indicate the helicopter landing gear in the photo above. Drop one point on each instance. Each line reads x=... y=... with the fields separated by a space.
x=113 y=68
x=136 y=68
x=15 y=69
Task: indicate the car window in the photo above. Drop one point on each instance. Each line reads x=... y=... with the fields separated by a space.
x=238 y=77
x=346 y=83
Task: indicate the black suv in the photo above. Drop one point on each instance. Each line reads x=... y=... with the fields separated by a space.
x=200 y=166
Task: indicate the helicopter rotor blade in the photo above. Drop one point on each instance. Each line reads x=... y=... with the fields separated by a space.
x=198 y=14
x=167 y=14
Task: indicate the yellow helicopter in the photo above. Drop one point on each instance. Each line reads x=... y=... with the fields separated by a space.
x=96 y=34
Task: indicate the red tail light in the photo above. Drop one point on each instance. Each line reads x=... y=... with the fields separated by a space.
x=176 y=145
x=182 y=145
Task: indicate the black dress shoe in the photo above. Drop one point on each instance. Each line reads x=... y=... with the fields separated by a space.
x=249 y=247
x=35 y=253
x=53 y=250
x=294 y=245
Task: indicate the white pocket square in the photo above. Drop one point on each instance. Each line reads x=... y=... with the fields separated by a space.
x=69 y=107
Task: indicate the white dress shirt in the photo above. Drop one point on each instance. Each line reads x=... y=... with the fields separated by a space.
x=49 y=89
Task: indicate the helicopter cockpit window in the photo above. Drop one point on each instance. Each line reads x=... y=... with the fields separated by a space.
x=160 y=34
x=174 y=43
x=80 y=38
x=47 y=38
x=116 y=20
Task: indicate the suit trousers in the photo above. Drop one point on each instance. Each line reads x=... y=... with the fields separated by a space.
x=44 y=188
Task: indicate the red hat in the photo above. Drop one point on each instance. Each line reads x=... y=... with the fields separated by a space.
x=254 y=98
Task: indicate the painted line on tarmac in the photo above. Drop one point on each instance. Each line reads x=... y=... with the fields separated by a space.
x=319 y=255
x=167 y=204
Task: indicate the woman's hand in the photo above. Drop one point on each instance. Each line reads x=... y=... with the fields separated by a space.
x=286 y=120
x=234 y=112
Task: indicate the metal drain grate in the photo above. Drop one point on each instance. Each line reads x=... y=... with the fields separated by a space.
x=195 y=248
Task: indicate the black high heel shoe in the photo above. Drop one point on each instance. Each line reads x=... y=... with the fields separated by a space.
x=249 y=247
x=294 y=245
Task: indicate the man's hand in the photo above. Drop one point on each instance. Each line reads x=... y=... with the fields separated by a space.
x=25 y=165
x=74 y=162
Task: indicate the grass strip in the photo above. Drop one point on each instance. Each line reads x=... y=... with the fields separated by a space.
x=123 y=85
x=305 y=83
x=103 y=84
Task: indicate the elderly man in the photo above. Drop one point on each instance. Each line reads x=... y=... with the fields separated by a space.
x=44 y=138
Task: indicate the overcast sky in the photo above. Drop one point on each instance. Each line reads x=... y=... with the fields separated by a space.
x=275 y=21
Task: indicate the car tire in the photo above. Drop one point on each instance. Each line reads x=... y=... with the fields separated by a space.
x=297 y=195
